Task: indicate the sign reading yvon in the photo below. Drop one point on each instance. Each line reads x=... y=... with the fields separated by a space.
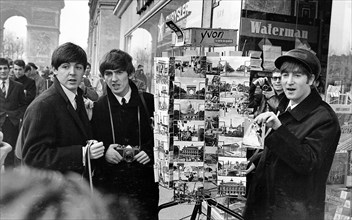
x=210 y=37
x=278 y=30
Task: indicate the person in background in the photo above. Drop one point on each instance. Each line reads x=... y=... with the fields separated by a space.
x=140 y=74
x=56 y=127
x=90 y=95
x=27 y=193
x=121 y=120
x=46 y=76
x=142 y=87
x=12 y=107
x=291 y=174
x=94 y=80
x=20 y=68
x=39 y=81
x=265 y=95
x=11 y=73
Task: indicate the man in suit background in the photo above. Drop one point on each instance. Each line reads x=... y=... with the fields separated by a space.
x=56 y=126
x=28 y=84
x=12 y=107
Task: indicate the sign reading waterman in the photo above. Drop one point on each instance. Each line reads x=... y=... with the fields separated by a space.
x=277 y=30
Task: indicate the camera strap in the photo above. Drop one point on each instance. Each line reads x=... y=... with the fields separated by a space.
x=112 y=124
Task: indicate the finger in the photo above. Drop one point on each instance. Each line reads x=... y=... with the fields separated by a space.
x=147 y=161
x=141 y=158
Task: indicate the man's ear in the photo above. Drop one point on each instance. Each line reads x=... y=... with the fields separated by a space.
x=311 y=79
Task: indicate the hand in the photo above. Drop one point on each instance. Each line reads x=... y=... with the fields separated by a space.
x=142 y=157
x=96 y=150
x=260 y=81
x=250 y=169
x=270 y=119
x=112 y=156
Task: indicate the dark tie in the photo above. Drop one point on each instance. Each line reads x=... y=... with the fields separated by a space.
x=289 y=109
x=3 y=88
x=79 y=104
x=123 y=102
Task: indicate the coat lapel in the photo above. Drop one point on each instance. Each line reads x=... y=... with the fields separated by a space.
x=70 y=108
x=11 y=87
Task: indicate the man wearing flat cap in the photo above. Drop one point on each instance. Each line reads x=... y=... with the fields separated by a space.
x=291 y=174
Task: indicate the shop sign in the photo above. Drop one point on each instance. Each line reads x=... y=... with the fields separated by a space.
x=210 y=37
x=180 y=13
x=277 y=30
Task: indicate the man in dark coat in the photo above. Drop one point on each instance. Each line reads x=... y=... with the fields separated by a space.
x=56 y=126
x=12 y=107
x=122 y=119
x=290 y=178
x=19 y=68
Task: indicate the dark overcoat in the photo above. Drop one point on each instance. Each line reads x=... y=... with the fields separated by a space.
x=12 y=108
x=54 y=133
x=290 y=178
x=132 y=181
x=29 y=86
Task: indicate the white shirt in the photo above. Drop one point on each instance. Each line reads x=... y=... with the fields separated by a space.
x=290 y=105
x=70 y=95
x=127 y=96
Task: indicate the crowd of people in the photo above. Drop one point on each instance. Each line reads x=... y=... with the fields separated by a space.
x=100 y=128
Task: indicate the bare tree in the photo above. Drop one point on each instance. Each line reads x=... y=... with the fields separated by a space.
x=13 y=47
x=142 y=57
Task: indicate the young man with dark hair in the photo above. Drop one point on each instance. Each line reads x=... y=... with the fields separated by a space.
x=56 y=126
x=290 y=178
x=12 y=107
x=121 y=119
x=28 y=84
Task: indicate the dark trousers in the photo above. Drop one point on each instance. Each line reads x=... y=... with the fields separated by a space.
x=10 y=132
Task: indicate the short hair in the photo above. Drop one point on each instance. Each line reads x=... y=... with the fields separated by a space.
x=33 y=65
x=140 y=65
x=290 y=65
x=20 y=63
x=4 y=62
x=27 y=68
x=68 y=52
x=44 y=194
x=88 y=64
x=116 y=59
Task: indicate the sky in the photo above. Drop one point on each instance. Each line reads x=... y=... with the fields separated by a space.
x=74 y=23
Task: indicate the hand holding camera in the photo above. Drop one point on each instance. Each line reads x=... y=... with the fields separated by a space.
x=117 y=153
x=264 y=84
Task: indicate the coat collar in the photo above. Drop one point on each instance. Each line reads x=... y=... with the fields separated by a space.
x=311 y=102
x=72 y=111
x=133 y=100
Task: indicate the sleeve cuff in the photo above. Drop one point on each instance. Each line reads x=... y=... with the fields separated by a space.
x=84 y=153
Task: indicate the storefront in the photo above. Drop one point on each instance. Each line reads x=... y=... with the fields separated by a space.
x=264 y=30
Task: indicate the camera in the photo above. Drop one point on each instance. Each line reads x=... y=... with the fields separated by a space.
x=127 y=152
x=266 y=87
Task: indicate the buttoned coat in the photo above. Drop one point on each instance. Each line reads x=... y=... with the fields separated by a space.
x=290 y=179
x=54 y=133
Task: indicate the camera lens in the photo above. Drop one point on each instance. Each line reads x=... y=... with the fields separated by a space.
x=129 y=155
x=266 y=88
